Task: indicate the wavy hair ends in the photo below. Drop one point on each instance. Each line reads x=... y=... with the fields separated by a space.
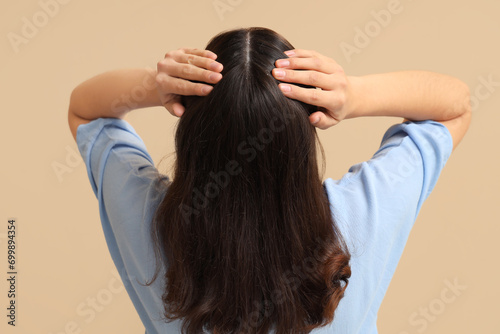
x=244 y=237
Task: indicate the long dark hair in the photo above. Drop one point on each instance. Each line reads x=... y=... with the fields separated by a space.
x=245 y=230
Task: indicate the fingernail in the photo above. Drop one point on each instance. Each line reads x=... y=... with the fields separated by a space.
x=215 y=66
x=214 y=77
x=206 y=89
x=285 y=88
x=279 y=73
x=283 y=63
x=290 y=53
x=212 y=55
x=315 y=120
x=178 y=110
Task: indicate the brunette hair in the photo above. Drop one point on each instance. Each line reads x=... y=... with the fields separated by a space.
x=245 y=233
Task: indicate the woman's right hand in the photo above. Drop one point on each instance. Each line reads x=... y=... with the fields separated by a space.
x=314 y=69
x=176 y=71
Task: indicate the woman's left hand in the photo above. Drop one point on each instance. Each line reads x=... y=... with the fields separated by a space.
x=176 y=71
x=311 y=68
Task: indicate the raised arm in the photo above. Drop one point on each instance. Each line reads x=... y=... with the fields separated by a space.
x=412 y=95
x=113 y=94
x=415 y=96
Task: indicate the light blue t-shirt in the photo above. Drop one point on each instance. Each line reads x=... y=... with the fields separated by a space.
x=375 y=205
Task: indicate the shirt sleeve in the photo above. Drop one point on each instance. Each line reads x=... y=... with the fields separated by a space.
x=128 y=188
x=376 y=203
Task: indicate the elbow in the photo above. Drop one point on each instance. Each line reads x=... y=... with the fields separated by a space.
x=464 y=120
x=466 y=107
x=459 y=124
x=71 y=106
x=459 y=101
x=80 y=102
x=74 y=112
x=73 y=102
x=71 y=115
x=462 y=107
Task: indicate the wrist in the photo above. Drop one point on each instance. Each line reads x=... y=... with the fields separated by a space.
x=149 y=89
x=354 y=101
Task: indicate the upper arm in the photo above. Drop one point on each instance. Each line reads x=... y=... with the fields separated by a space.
x=388 y=190
x=375 y=205
x=123 y=178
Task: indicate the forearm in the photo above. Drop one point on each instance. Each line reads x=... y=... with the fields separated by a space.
x=414 y=95
x=114 y=93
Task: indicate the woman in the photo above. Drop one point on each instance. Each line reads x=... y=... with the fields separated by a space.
x=246 y=238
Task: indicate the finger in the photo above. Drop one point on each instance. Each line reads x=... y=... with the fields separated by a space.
x=170 y=107
x=174 y=106
x=181 y=87
x=200 y=52
x=328 y=66
x=187 y=71
x=203 y=62
x=301 y=53
x=322 y=120
x=178 y=109
x=201 y=58
x=310 y=78
x=315 y=97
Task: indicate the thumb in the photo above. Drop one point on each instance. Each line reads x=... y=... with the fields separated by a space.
x=175 y=107
x=322 y=120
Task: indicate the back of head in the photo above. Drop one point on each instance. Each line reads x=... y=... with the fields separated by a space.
x=245 y=227
x=246 y=113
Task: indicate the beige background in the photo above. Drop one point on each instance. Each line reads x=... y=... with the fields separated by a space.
x=63 y=260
